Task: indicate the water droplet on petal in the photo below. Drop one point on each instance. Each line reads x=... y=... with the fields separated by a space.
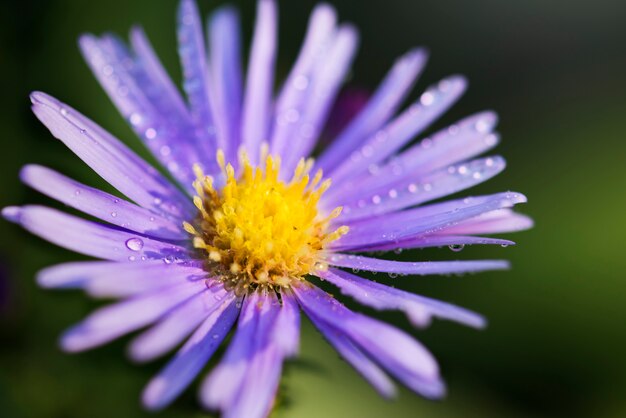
x=134 y=244
x=456 y=247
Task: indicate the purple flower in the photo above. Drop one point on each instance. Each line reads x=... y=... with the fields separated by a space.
x=250 y=218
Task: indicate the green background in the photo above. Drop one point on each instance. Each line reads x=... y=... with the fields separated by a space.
x=556 y=344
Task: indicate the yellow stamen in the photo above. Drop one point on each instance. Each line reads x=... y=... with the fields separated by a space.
x=258 y=230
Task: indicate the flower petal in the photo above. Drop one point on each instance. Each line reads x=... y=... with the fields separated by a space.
x=419 y=309
x=226 y=86
x=258 y=388
x=397 y=133
x=407 y=193
x=178 y=324
x=397 y=352
x=383 y=104
x=421 y=268
x=295 y=89
x=194 y=63
x=257 y=103
x=426 y=241
x=465 y=139
x=355 y=356
x=421 y=221
x=102 y=205
x=111 y=159
x=496 y=222
x=287 y=329
x=220 y=387
x=325 y=80
x=91 y=238
x=164 y=128
x=191 y=358
x=115 y=320
x=119 y=279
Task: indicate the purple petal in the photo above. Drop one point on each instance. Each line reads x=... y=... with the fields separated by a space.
x=102 y=205
x=190 y=359
x=384 y=143
x=119 y=279
x=418 y=309
x=383 y=104
x=255 y=396
x=226 y=75
x=220 y=387
x=465 y=139
x=496 y=222
x=421 y=221
x=144 y=102
x=178 y=324
x=427 y=241
x=420 y=268
x=111 y=159
x=295 y=90
x=260 y=80
x=357 y=359
x=90 y=238
x=194 y=63
x=407 y=193
x=396 y=351
x=325 y=81
x=287 y=330
x=113 y=321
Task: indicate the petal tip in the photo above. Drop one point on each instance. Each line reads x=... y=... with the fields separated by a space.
x=12 y=213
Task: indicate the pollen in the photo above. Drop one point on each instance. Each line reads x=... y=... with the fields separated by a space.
x=260 y=231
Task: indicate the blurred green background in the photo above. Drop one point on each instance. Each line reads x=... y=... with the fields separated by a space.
x=555 y=72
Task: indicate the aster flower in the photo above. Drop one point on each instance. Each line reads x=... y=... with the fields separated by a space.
x=249 y=219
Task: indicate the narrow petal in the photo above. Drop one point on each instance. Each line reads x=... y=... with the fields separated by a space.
x=226 y=87
x=384 y=143
x=257 y=101
x=142 y=100
x=287 y=330
x=419 y=309
x=383 y=104
x=102 y=205
x=396 y=351
x=455 y=242
x=119 y=279
x=196 y=76
x=91 y=238
x=255 y=396
x=220 y=387
x=412 y=192
x=113 y=321
x=111 y=159
x=424 y=220
x=178 y=324
x=325 y=81
x=465 y=139
x=191 y=358
x=357 y=359
x=296 y=87
x=420 y=268
x=496 y=222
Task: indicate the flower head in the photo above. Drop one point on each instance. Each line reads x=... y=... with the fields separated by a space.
x=251 y=218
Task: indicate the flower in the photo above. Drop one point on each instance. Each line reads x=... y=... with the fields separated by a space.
x=249 y=219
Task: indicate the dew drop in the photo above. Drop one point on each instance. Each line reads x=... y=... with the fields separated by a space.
x=134 y=244
x=456 y=247
x=131 y=258
x=393 y=275
x=114 y=214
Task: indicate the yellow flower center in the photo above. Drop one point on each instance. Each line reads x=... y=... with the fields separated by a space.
x=258 y=230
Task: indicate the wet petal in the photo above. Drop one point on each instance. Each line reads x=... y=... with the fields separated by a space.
x=383 y=104
x=191 y=358
x=419 y=309
x=90 y=238
x=102 y=205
